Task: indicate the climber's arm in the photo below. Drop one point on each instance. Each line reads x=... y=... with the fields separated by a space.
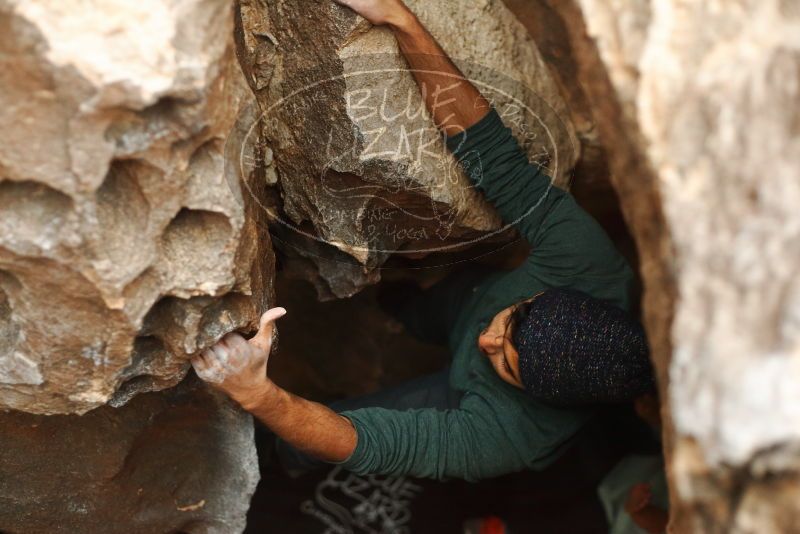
x=569 y=247
x=486 y=436
x=239 y=369
x=521 y=192
x=308 y=426
x=452 y=100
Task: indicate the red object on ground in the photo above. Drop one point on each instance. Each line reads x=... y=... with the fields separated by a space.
x=493 y=525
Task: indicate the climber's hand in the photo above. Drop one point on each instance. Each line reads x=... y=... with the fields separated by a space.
x=237 y=366
x=639 y=496
x=378 y=11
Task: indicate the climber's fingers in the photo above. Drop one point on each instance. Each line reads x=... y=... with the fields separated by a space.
x=207 y=358
x=199 y=363
x=263 y=339
x=221 y=353
x=233 y=353
x=208 y=366
x=232 y=340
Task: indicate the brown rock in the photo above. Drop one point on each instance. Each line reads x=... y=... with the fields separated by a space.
x=360 y=166
x=182 y=460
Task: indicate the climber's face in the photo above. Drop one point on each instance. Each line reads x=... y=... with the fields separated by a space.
x=495 y=343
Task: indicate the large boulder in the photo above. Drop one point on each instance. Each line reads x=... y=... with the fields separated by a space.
x=718 y=102
x=361 y=168
x=181 y=460
x=698 y=106
x=123 y=245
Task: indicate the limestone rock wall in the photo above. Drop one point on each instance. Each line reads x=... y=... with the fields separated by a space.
x=124 y=246
x=719 y=105
x=181 y=460
x=359 y=165
x=697 y=106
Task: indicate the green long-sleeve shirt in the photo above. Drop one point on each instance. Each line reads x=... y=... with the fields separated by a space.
x=497 y=428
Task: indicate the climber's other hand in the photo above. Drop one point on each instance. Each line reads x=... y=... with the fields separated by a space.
x=237 y=366
x=378 y=11
x=639 y=496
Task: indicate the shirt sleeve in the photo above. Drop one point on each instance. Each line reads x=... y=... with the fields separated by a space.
x=470 y=443
x=569 y=248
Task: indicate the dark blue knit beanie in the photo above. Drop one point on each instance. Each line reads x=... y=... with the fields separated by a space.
x=577 y=350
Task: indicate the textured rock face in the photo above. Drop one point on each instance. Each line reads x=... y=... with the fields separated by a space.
x=123 y=247
x=698 y=106
x=181 y=460
x=719 y=104
x=360 y=167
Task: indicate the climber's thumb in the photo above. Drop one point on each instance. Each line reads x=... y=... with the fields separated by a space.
x=263 y=338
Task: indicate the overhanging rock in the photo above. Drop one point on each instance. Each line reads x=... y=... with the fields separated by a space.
x=359 y=164
x=123 y=247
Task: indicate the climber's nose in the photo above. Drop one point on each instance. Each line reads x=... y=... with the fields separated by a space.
x=489 y=342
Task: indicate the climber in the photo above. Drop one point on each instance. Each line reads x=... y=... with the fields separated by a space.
x=535 y=350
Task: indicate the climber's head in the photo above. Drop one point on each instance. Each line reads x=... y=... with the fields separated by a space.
x=567 y=348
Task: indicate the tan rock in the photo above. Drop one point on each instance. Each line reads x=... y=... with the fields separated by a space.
x=123 y=245
x=697 y=106
x=719 y=105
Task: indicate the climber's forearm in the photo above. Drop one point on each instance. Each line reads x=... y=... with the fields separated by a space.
x=453 y=101
x=308 y=426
